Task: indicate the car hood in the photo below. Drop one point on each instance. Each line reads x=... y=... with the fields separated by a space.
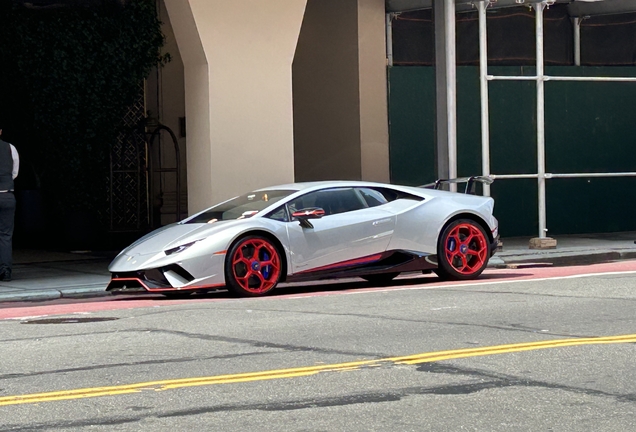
x=175 y=235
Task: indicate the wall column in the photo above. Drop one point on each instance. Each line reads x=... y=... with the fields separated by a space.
x=374 y=122
x=238 y=89
x=340 y=92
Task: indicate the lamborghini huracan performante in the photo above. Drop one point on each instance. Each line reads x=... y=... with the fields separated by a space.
x=310 y=231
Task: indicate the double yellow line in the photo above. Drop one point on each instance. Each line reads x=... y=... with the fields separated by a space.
x=305 y=371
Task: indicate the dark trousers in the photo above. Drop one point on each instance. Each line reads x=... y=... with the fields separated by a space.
x=7 y=218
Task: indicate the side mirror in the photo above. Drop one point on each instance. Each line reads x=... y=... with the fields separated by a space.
x=305 y=214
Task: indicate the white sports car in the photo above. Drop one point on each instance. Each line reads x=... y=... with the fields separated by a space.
x=310 y=231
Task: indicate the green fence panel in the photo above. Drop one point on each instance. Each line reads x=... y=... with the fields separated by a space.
x=412 y=125
x=590 y=127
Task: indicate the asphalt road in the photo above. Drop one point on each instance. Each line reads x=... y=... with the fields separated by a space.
x=523 y=351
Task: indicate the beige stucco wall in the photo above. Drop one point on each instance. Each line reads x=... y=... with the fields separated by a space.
x=372 y=70
x=340 y=99
x=237 y=60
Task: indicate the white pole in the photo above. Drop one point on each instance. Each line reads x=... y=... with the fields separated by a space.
x=540 y=120
x=389 y=39
x=451 y=89
x=483 y=81
x=577 y=41
x=591 y=79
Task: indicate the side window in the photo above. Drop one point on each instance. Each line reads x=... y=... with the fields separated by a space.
x=335 y=201
x=280 y=214
x=332 y=201
x=372 y=197
x=378 y=196
x=302 y=202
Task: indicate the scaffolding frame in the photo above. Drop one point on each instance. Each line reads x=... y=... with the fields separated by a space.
x=540 y=78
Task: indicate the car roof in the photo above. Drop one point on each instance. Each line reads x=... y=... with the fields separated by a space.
x=414 y=190
x=322 y=184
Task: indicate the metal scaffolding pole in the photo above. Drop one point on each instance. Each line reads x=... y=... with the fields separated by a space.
x=539 y=7
x=561 y=78
x=577 y=41
x=483 y=85
x=451 y=89
x=389 y=39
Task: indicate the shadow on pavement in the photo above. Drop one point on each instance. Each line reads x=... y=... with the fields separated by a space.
x=320 y=286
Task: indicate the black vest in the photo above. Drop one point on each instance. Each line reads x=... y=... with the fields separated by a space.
x=6 y=167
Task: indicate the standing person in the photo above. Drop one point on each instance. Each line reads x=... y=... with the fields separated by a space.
x=9 y=166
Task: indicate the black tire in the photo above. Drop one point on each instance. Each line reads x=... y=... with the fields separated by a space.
x=463 y=250
x=253 y=266
x=380 y=278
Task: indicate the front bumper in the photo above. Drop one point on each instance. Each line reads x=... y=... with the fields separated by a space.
x=154 y=280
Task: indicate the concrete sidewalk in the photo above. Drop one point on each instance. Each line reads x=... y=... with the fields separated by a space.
x=44 y=275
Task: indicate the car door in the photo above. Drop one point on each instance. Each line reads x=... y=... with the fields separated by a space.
x=349 y=231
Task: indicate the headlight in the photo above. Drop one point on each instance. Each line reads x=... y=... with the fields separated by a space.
x=180 y=248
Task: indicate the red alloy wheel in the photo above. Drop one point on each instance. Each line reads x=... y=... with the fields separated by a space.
x=255 y=266
x=466 y=249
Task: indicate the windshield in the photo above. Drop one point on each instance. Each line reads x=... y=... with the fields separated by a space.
x=241 y=207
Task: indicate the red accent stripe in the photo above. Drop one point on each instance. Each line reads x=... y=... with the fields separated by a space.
x=349 y=263
x=317 y=212
x=190 y=288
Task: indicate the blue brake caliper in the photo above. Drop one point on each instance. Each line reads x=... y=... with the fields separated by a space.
x=266 y=268
x=451 y=244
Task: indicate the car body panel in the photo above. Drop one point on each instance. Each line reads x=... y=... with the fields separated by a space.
x=339 y=237
x=430 y=216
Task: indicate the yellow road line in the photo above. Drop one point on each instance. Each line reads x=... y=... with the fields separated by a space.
x=504 y=349
x=305 y=371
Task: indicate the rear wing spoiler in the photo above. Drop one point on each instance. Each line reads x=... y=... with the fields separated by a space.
x=470 y=183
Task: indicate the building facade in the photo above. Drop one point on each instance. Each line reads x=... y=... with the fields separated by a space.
x=296 y=90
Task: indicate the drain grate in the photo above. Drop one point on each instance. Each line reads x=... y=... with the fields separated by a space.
x=67 y=320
